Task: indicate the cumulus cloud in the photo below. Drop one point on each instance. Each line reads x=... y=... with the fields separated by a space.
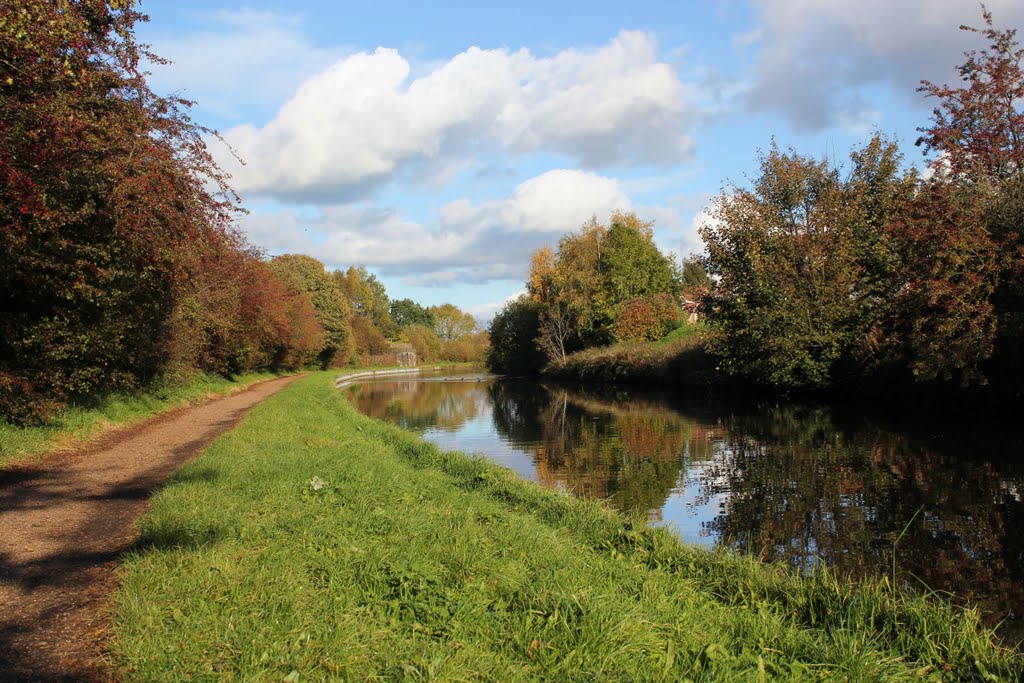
x=467 y=243
x=357 y=123
x=814 y=55
x=553 y=202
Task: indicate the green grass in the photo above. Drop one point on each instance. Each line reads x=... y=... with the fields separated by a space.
x=79 y=423
x=684 y=331
x=312 y=543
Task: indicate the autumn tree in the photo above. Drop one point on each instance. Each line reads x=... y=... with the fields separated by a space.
x=595 y=270
x=451 y=323
x=424 y=340
x=646 y=318
x=334 y=312
x=976 y=136
x=104 y=204
x=804 y=275
x=368 y=297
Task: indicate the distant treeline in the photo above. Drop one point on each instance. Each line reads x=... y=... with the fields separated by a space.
x=122 y=262
x=824 y=276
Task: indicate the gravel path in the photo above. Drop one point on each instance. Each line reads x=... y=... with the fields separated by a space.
x=66 y=517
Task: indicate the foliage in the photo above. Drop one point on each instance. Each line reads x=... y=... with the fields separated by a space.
x=693 y=277
x=646 y=318
x=400 y=560
x=368 y=298
x=977 y=133
x=451 y=323
x=471 y=348
x=368 y=340
x=308 y=275
x=804 y=266
x=103 y=204
x=513 y=330
x=424 y=340
x=407 y=312
x=631 y=265
x=582 y=287
x=943 y=313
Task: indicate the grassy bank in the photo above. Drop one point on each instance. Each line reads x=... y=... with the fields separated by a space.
x=79 y=423
x=679 y=359
x=312 y=543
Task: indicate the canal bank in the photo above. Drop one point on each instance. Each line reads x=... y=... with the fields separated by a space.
x=313 y=542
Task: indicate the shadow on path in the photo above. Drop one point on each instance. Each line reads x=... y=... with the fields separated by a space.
x=65 y=520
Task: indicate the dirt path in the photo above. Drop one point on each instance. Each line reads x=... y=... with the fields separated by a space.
x=64 y=520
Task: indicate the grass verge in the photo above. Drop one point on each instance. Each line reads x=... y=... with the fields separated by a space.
x=79 y=423
x=313 y=543
x=679 y=359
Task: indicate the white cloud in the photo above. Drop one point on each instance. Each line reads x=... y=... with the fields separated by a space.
x=357 y=123
x=484 y=313
x=467 y=243
x=554 y=202
x=814 y=55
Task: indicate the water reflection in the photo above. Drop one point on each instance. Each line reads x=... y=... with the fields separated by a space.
x=796 y=484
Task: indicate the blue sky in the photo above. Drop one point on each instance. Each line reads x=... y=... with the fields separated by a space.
x=440 y=143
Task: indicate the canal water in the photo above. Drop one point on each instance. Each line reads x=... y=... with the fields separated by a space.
x=801 y=484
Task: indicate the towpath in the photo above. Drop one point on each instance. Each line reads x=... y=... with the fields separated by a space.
x=65 y=519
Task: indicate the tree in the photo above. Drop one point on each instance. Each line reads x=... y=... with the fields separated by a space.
x=424 y=340
x=646 y=318
x=451 y=323
x=555 y=331
x=631 y=265
x=978 y=128
x=308 y=275
x=513 y=350
x=407 y=312
x=368 y=340
x=368 y=298
x=977 y=136
x=594 y=270
x=105 y=205
x=693 y=277
x=802 y=266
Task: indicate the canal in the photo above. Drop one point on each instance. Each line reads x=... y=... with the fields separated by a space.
x=939 y=501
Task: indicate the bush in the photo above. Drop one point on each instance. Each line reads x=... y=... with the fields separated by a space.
x=646 y=318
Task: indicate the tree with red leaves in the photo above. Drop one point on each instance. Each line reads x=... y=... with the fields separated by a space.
x=104 y=209
x=977 y=138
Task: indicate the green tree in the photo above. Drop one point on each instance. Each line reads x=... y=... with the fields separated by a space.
x=407 y=312
x=513 y=331
x=451 y=323
x=308 y=275
x=368 y=297
x=631 y=265
x=803 y=266
x=693 y=277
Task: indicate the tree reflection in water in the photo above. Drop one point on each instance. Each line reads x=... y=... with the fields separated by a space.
x=791 y=483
